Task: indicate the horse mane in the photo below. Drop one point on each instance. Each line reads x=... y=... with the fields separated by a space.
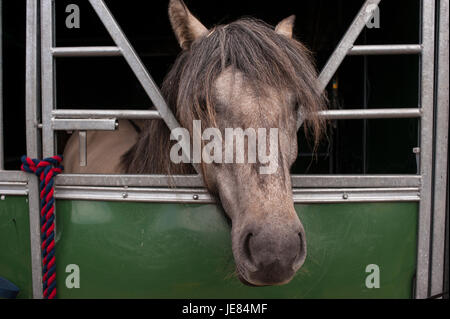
x=263 y=57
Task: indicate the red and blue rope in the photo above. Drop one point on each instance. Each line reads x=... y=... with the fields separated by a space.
x=46 y=170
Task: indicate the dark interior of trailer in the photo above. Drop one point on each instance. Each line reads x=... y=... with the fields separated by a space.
x=353 y=146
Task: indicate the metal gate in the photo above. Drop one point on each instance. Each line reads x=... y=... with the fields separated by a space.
x=428 y=187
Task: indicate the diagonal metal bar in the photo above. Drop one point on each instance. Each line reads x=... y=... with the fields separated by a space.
x=347 y=42
x=139 y=69
x=344 y=47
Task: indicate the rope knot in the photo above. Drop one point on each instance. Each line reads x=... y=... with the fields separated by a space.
x=46 y=170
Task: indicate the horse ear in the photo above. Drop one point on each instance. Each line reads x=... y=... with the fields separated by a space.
x=286 y=26
x=186 y=27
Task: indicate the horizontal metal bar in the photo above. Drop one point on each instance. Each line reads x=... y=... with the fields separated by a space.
x=13 y=176
x=153 y=114
x=84 y=124
x=86 y=51
x=303 y=181
x=165 y=195
x=200 y=195
x=357 y=181
x=371 y=114
x=13 y=188
x=98 y=114
x=130 y=180
x=386 y=49
x=356 y=195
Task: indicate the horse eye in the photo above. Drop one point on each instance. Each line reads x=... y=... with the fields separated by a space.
x=219 y=108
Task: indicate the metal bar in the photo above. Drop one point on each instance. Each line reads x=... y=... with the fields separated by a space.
x=13 y=176
x=86 y=51
x=371 y=114
x=386 y=49
x=200 y=195
x=153 y=114
x=95 y=114
x=447 y=232
x=48 y=76
x=33 y=140
x=365 y=106
x=2 y=154
x=441 y=156
x=347 y=181
x=356 y=195
x=82 y=135
x=347 y=42
x=298 y=181
x=129 y=180
x=13 y=188
x=343 y=48
x=138 y=68
x=426 y=145
x=84 y=124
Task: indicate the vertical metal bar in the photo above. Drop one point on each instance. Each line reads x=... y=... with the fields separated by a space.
x=48 y=76
x=2 y=153
x=440 y=166
x=33 y=139
x=446 y=251
x=365 y=106
x=426 y=144
x=82 y=135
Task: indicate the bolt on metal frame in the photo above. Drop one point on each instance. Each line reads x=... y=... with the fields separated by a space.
x=423 y=188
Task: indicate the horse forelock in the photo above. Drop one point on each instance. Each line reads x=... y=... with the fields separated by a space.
x=264 y=58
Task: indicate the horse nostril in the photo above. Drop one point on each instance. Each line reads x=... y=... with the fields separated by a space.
x=246 y=247
x=248 y=258
x=301 y=254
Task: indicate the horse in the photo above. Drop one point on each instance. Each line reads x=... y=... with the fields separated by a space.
x=244 y=74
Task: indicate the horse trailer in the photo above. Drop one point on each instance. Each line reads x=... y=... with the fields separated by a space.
x=373 y=196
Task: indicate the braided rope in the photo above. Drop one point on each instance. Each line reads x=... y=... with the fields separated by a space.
x=46 y=170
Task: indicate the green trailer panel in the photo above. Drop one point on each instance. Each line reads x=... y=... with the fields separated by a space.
x=151 y=250
x=15 y=256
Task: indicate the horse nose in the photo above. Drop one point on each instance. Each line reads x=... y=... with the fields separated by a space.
x=272 y=255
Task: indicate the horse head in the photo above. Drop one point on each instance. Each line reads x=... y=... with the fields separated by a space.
x=248 y=75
